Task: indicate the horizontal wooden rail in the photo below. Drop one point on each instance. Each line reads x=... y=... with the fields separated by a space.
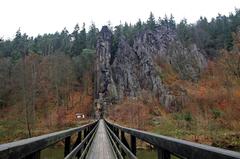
x=26 y=148
x=116 y=149
x=118 y=141
x=74 y=152
x=181 y=148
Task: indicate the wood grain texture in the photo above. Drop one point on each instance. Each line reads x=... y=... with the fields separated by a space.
x=101 y=147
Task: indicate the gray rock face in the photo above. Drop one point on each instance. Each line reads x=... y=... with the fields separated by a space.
x=134 y=68
x=105 y=90
x=163 y=43
x=125 y=71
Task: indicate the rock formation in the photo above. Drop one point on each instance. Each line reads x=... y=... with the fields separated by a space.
x=134 y=69
x=104 y=85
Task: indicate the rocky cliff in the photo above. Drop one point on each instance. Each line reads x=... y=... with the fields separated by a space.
x=134 y=68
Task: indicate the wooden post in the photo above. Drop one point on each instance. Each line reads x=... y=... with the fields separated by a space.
x=85 y=133
x=67 y=147
x=79 y=139
x=133 y=145
x=163 y=154
x=117 y=132
x=124 y=141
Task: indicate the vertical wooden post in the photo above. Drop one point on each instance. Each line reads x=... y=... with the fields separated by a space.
x=133 y=145
x=163 y=154
x=85 y=133
x=67 y=146
x=123 y=139
x=79 y=139
x=117 y=132
x=113 y=129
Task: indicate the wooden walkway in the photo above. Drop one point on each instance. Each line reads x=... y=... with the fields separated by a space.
x=101 y=146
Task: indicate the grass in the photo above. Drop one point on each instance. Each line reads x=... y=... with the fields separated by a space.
x=11 y=130
x=214 y=134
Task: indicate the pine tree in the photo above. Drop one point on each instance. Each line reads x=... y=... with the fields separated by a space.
x=92 y=36
x=82 y=38
x=151 y=22
x=76 y=50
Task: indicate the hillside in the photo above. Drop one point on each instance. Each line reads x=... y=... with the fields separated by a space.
x=180 y=80
x=158 y=84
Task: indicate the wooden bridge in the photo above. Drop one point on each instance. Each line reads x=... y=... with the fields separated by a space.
x=105 y=140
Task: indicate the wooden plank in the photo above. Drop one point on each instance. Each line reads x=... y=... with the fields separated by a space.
x=183 y=148
x=101 y=147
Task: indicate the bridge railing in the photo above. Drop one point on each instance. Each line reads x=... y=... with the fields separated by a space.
x=166 y=146
x=31 y=148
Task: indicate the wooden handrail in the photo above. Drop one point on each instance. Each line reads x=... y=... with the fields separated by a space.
x=23 y=148
x=74 y=152
x=181 y=148
x=124 y=148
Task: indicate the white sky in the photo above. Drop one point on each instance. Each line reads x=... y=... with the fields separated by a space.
x=48 y=16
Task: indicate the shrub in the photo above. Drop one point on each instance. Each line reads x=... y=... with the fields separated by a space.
x=216 y=113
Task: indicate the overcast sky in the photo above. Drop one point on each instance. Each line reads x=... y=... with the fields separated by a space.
x=48 y=16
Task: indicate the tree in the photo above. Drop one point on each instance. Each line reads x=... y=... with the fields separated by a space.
x=168 y=22
x=75 y=50
x=82 y=37
x=20 y=44
x=151 y=21
x=184 y=32
x=118 y=32
x=138 y=26
x=6 y=48
x=5 y=84
x=203 y=38
x=65 y=41
x=172 y=23
x=231 y=60
x=92 y=36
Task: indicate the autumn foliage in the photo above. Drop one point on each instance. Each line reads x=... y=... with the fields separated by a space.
x=210 y=115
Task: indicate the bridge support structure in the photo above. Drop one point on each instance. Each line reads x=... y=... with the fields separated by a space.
x=166 y=146
x=105 y=140
x=31 y=148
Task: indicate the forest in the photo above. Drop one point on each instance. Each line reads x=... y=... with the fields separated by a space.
x=46 y=79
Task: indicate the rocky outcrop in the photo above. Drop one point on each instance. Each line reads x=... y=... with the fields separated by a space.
x=134 y=69
x=163 y=43
x=104 y=86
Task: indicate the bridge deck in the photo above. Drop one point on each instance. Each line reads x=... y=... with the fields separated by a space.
x=101 y=147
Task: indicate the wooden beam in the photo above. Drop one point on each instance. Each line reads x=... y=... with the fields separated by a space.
x=133 y=145
x=67 y=146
